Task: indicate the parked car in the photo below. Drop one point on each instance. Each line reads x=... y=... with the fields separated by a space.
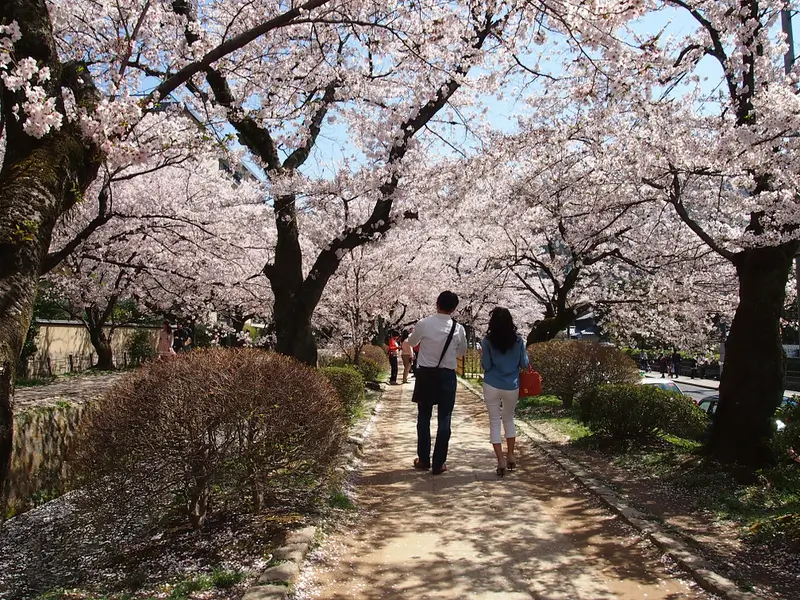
x=664 y=384
x=709 y=406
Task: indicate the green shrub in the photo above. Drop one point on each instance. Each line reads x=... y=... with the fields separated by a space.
x=369 y=369
x=570 y=369
x=349 y=385
x=140 y=346
x=203 y=336
x=639 y=412
x=783 y=529
x=221 y=427
x=377 y=355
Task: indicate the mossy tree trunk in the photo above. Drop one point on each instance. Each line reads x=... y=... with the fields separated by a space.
x=752 y=380
x=39 y=181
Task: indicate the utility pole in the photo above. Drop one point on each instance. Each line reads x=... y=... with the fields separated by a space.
x=788 y=63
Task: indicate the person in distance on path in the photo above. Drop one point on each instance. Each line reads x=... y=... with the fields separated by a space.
x=394 y=352
x=407 y=354
x=441 y=341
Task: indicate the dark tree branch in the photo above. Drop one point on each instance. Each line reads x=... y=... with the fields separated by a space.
x=233 y=44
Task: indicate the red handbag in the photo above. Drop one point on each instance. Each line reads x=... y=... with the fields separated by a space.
x=530 y=383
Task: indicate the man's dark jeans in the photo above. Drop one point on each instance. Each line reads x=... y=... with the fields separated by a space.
x=445 y=393
x=393 y=369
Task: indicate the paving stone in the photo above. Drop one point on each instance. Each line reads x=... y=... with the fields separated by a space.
x=305 y=535
x=300 y=547
x=288 y=571
x=266 y=592
x=289 y=555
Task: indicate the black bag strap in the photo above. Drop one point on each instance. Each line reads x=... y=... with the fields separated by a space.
x=447 y=343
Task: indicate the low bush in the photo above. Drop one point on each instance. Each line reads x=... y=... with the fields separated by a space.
x=781 y=529
x=219 y=426
x=378 y=355
x=326 y=358
x=349 y=385
x=570 y=369
x=639 y=412
x=368 y=369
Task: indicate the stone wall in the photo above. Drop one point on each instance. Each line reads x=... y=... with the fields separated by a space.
x=40 y=469
x=45 y=422
x=65 y=347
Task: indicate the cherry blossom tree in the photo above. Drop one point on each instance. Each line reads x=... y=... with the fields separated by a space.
x=178 y=239
x=387 y=84
x=719 y=157
x=70 y=72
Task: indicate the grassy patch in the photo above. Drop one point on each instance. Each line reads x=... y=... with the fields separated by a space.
x=767 y=506
x=340 y=500
x=357 y=413
x=219 y=579
x=224 y=580
x=551 y=409
x=542 y=407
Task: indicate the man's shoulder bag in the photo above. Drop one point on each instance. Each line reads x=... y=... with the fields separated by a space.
x=427 y=378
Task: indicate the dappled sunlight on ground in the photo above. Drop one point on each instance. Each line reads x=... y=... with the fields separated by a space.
x=469 y=534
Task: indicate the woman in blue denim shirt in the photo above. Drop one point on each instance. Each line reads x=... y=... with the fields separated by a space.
x=502 y=356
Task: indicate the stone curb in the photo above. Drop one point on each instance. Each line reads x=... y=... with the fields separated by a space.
x=276 y=581
x=691 y=562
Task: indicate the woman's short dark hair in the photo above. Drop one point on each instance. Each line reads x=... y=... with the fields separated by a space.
x=447 y=301
x=502 y=332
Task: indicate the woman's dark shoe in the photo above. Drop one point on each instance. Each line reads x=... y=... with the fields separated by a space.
x=422 y=466
x=501 y=471
x=512 y=464
x=439 y=470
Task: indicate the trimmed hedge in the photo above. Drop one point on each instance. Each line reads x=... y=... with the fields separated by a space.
x=572 y=368
x=210 y=428
x=367 y=368
x=640 y=412
x=349 y=384
x=378 y=355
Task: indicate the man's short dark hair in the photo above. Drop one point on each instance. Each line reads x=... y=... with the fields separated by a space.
x=447 y=301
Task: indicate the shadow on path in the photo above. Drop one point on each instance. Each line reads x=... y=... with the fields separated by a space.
x=469 y=534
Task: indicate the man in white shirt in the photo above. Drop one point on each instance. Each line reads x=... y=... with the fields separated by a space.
x=441 y=341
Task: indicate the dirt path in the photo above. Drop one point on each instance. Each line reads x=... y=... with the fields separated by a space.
x=469 y=534
x=77 y=389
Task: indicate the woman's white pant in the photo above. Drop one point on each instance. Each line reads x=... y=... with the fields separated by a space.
x=501 y=405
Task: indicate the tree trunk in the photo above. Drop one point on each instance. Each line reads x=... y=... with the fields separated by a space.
x=102 y=345
x=549 y=327
x=33 y=193
x=39 y=181
x=293 y=330
x=753 y=373
x=101 y=341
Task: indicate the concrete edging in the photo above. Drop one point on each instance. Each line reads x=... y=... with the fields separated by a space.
x=276 y=581
x=691 y=562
